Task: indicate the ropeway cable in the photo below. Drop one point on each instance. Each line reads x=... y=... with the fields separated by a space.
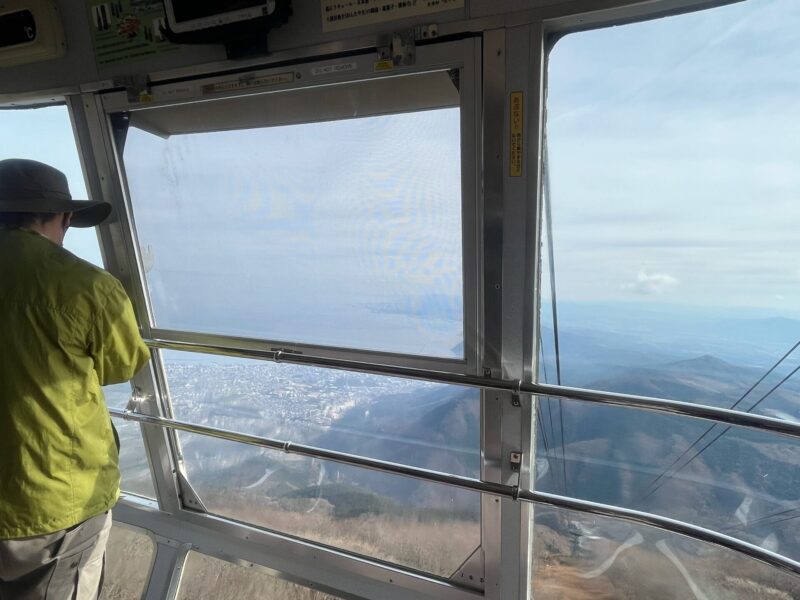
x=553 y=302
x=766 y=519
x=548 y=399
x=735 y=404
x=541 y=404
x=729 y=427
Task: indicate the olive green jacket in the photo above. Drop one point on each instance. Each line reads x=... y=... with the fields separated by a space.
x=66 y=328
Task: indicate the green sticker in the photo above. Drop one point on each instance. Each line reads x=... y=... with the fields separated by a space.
x=126 y=30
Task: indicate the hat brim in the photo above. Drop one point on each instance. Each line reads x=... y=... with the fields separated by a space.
x=90 y=213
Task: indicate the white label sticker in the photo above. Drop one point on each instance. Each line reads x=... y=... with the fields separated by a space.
x=346 y=14
x=248 y=82
x=331 y=69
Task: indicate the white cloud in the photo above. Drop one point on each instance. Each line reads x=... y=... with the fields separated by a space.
x=649 y=284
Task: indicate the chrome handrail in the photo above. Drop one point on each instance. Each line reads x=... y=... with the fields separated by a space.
x=509 y=492
x=675 y=407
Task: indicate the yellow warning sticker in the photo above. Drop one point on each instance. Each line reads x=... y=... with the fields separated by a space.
x=515 y=156
x=384 y=65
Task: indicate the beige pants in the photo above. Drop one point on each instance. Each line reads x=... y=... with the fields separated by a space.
x=65 y=565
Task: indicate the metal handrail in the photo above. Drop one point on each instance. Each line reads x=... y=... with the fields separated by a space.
x=476 y=485
x=675 y=407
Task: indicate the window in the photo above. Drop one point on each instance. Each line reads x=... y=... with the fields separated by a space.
x=672 y=181
x=341 y=231
x=425 y=526
x=207 y=578
x=331 y=217
x=45 y=134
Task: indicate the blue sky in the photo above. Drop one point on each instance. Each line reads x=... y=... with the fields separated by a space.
x=673 y=144
x=674 y=153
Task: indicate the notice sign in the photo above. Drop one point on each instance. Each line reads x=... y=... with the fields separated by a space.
x=346 y=14
x=245 y=83
x=125 y=30
x=515 y=156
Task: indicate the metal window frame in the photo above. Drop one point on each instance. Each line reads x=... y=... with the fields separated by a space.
x=510 y=252
x=497 y=425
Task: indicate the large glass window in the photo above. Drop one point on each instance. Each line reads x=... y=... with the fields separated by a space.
x=340 y=232
x=328 y=216
x=426 y=526
x=45 y=135
x=671 y=177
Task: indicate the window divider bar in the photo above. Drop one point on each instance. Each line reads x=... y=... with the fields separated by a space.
x=494 y=489
x=676 y=407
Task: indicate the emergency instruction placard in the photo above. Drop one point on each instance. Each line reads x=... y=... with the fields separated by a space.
x=346 y=14
x=125 y=30
x=516 y=141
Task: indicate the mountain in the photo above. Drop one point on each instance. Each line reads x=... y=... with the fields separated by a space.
x=438 y=430
x=628 y=457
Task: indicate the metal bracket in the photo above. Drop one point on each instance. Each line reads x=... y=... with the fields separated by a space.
x=400 y=48
x=515 y=401
x=189 y=496
x=160 y=539
x=137 y=87
x=471 y=572
x=426 y=32
x=515 y=460
x=137 y=400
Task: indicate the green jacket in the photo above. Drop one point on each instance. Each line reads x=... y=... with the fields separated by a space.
x=66 y=328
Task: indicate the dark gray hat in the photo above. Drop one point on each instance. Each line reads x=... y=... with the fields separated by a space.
x=31 y=186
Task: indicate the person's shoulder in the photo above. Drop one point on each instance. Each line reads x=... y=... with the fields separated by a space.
x=87 y=276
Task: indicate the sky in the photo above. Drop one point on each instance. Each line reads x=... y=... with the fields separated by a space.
x=673 y=153
x=674 y=148
x=45 y=134
x=343 y=233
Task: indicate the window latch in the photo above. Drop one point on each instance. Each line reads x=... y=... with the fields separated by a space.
x=137 y=400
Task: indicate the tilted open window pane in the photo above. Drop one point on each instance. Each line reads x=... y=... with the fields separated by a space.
x=426 y=526
x=672 y=179
x=344 y=232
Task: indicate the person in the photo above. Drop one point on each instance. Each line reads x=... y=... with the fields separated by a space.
x=66 y=329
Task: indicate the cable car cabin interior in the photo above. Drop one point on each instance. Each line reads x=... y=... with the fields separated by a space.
x=445 y=299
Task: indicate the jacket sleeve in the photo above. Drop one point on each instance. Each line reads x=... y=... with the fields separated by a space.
x=115 y=344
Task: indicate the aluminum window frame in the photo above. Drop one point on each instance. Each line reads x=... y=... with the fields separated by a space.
x=547 y=23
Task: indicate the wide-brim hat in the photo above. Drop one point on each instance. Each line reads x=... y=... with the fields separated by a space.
x=33 y=187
